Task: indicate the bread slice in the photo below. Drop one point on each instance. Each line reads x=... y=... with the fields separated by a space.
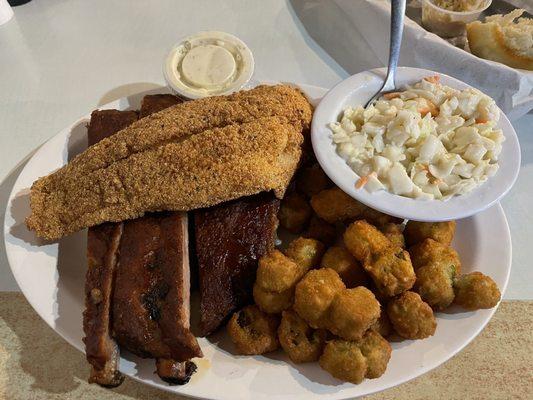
x=501 y=38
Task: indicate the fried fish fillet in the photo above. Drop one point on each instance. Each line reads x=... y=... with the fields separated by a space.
x=195 y=154
x=206 y=169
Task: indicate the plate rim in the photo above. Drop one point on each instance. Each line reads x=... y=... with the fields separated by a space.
x=342 y=395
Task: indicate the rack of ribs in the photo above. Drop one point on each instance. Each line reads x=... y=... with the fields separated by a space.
x=163 y=293
x=230 y=238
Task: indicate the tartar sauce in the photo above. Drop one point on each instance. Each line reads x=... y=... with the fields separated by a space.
x=208 y=63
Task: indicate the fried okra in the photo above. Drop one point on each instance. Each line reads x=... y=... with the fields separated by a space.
x=476 y=291
x=349 y=269
x=411 y=317
x=314 y=294
x=253 y=331
x=442 y=232
x=333 y=205
x=391 y=270
x=352 y=313
x=393 y=232
x=305 y=252
x=301 y=342
x=430 y=252
x=277 y=273
x=312 y=180
x=344 y=360
x=382 y=325
x=377 y=352
x=362 y=239
x=320 y=230
x=273 y=302
x=434 y=284
x=294 y=212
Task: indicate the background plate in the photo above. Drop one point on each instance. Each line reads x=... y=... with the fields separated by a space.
x=51 y=276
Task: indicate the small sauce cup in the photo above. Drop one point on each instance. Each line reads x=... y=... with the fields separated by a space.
x=446 y=23
x=208 y=63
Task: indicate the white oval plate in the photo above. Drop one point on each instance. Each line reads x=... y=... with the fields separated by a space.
x=358 y=89
x=52 y=275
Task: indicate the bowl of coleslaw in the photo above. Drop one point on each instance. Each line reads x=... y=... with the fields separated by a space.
x=436 y=149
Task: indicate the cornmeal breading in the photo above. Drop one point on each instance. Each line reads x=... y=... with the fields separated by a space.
x=182 y=120
x=205 y=169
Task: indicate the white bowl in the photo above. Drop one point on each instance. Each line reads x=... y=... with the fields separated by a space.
x=358 y=89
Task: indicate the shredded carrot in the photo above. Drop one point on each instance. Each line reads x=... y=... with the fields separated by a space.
x=429 y=108
x=433 y=79
x=362 y=181
x=481 y=121
x=391 y=95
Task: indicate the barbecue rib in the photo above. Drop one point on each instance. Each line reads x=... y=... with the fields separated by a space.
x=196 y=154
x=151 y=297
x=230 y=238
x=105 y=123
x=101 y=350
x=153 y=103
x=171 y=371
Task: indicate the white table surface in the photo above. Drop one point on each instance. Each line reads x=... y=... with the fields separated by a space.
x=61 y=59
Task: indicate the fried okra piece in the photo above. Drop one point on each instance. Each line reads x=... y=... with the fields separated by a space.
x=273 y=302
x=434 y=284
x=301 y=342
x=305 y=252
x=344 y=360
x=349 y=269
x=442 y=232
x=430 y=252
x=320 y=230
x=294 y=212
x=377 y=352
x=362 y=239
x=312 y=180
x=382 y=325
x=314 y=294
x=253 y=331
x=476 y=291
x=333 y=205
x=352 y=313
x=391 y=270
x=411 y=317
x=277 y=273
x=393 y=232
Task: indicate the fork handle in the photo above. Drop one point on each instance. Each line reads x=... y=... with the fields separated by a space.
x=396 y=31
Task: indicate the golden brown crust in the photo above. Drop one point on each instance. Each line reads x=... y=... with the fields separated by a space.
x=193 y=155
x=209 y=168
x=486 y=40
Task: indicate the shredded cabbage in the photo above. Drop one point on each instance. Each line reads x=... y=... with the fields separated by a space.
x=428 y=142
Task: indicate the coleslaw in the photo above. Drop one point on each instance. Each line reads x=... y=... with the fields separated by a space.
x=429 y=141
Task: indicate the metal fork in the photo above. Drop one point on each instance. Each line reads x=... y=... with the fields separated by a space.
x=396 y=31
